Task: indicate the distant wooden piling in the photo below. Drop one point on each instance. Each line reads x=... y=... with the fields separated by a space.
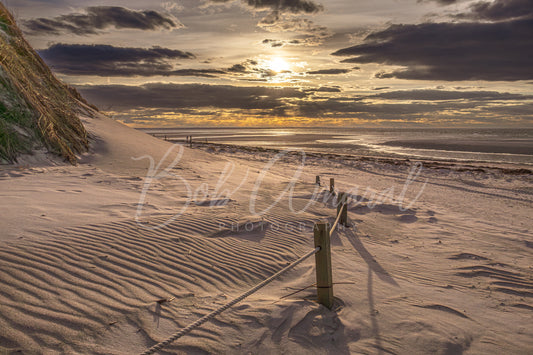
x=318 y=180
x=332 y=185
x=324 y=278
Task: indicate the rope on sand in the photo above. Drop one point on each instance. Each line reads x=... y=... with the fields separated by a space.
x=231 y=303
x=216 y=312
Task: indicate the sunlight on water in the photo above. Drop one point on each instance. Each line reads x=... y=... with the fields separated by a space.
x=482 y=145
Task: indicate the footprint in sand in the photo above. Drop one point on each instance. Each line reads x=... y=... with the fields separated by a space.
x=318 y=327
x=408 y=218
x=464 y=256
x=440 y=307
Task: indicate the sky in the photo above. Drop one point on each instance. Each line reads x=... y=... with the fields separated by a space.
x=372 y=63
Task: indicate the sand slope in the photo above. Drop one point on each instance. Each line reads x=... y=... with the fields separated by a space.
x=82 y=271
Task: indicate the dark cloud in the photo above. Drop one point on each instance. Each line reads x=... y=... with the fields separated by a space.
x=434 y=103
x=313 y=34
x=178 y=96
x=299 y=25
x=482 y=111
x=325 y=89
x=355 y=107
x=274 y=42
x=238 y=68
x=450 y=51
x=106 y=60
x=293 y=6
x=330 y=71
x=193 y=102
x=207 y=73
x=293 y=42
x=281 y=19
x=499 y=10
x=251 y=66
x=98 y=18
x=437 y=95
x=440 y=2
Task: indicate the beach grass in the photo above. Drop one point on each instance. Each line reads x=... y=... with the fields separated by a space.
x=28 y=85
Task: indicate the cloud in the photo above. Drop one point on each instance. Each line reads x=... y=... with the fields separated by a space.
x=293 y=6
x=206 y=73
x=437 y=95
x=248 y=66
x=106 y=60
x=330 y=71
x=251 y=66
x=499 y=10
x=179 y=96
x=201 y=104
x=300 y=25
x=314 y=34
x=440 y=2
x=450 y=51
x=237 y=101
x=274 y=42
x=98 y=18
x=325 y=89
x=282 y=18
x=307 y=41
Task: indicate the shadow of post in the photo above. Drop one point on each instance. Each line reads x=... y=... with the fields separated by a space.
x=373 y=267
x=369 y=259
x=157 y=314
x=372 y=312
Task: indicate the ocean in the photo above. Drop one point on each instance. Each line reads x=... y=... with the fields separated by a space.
x=514 y=146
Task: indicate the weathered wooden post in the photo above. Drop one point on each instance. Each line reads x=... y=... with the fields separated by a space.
x=318 y=180
x=331 y=185
x=190 y=141
x=324 y=279
x=342 y=208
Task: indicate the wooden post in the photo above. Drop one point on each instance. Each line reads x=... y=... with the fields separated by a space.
x=324 y=279
x=190 y=141
x=342 y=200
x=318 y=180
x=331 y=185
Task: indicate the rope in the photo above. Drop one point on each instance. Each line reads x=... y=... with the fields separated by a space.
x=216 y=312
x=336 y=221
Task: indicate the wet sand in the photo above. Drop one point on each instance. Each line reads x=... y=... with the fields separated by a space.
x=482 y=146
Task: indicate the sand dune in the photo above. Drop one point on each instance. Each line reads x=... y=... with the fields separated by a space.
x=446 y=270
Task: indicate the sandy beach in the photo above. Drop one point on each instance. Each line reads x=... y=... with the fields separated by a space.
x=116 y=254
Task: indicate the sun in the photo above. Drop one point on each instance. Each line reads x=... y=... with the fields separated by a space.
x=278 y=65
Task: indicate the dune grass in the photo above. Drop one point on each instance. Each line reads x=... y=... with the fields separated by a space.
x=16 y=134
x=27 y=84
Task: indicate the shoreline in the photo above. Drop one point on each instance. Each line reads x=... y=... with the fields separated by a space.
x=452 y=164
x=511 y=147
